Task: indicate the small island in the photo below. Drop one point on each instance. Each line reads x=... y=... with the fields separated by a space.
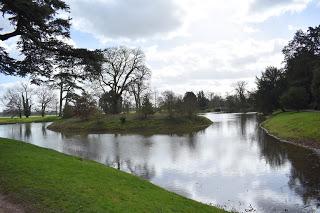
x=133 y=123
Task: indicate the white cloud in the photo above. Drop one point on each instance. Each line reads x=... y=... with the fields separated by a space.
x=125 y=18
x=197 y=64
x=261 y=10
x=191 y=44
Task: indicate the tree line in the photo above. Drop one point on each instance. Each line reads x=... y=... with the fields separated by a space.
x=297 y=85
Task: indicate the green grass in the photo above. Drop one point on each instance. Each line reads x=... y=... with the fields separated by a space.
x=157 y=124
x=8 y=120
x=43 y=180
x=295 y=126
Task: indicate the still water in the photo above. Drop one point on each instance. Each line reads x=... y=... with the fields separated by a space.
x=232 y=163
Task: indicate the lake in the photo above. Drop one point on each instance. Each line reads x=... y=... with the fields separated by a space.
x=232 y=163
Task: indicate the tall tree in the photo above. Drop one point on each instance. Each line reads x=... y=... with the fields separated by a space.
x=190 y=103
x=241 y=91
x=147 y=108
x=40 y=32
x=270 y=86
x=203 y=101
x=316 y=86
x=139 y=87
x=45 y=96
x=121 y=68
x=71 y=72
x=12 y=102
x=169 y=100
x=26 y=99
x=302 y=54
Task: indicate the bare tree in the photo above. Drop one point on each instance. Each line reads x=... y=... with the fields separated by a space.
x=46 y=97
x=138 y=88
x=121 y=69
x=26 y=91
x=13 y=102
x=169 y=100
x=240 y=88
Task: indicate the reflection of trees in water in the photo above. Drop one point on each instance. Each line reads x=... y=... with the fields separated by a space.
x=126 y=164
x=139 y=169
x=192 y=141
x=27 y=130
x=304 y=177
x=44 y=129
x=178 y=143
x=81 y=146
x=242 y=123
x=142 y=170
x=274 y=152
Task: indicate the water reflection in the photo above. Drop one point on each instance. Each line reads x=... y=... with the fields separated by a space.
x=232 y=163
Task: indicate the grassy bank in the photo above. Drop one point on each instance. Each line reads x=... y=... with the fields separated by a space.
x=157 y=124
x=299 y=127
x=42 y=180
x=9 y=120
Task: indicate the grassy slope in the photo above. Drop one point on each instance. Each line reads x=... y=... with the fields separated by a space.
x=295 y=126
x=42 y=180
x=158 y=124
x=8 y=120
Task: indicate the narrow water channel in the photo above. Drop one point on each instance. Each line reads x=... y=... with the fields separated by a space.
x=232 y=163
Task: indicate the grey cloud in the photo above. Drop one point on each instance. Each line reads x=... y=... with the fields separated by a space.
x=126 y=18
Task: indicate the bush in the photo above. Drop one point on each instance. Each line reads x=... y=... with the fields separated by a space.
x=146 y=108
x=295 y=98
x=68 y=111
x=122 y=120
x=85 y=106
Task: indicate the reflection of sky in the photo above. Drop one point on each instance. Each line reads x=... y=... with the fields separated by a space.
x=223 y=165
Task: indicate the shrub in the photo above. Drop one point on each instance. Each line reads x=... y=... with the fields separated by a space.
x=295 y=98
x=68 y=111
x=122 y=120
x=85 y=106
x=146 y=108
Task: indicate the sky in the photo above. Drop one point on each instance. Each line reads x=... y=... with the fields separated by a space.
x=191 y=44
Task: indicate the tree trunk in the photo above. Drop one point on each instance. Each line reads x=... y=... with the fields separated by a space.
x=115 y=104
x=43 y=110
x=60 y=100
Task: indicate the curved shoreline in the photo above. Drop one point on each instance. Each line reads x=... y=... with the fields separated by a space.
x=304 y=144
x=23 y=190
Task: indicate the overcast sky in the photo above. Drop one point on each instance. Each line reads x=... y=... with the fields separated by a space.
x=192 y=44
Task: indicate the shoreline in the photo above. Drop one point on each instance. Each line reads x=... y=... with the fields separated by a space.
x=304 y=144
x=31 y=174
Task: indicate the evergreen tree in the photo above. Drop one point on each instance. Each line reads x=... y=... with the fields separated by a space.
x=146 y=108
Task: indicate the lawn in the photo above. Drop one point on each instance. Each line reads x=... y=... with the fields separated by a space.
x=9 y=120
x=43 y=180
x=295 y=126
x=156 y=124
